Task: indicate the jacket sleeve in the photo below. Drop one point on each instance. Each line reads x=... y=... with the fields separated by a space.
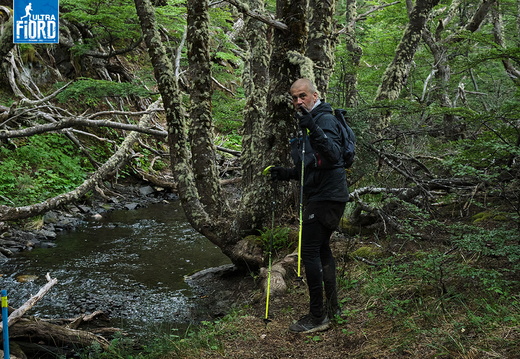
x=326 y=139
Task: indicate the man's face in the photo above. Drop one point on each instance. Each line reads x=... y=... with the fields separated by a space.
x=301 y=96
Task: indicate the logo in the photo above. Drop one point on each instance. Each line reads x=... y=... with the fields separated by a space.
x=36 y=21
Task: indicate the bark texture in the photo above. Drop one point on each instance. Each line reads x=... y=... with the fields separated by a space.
x=321 y=41
x=201 y=129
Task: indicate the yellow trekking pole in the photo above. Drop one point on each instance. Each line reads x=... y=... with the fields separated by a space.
x=269 y=266
x=266 y=172
x=302 y=180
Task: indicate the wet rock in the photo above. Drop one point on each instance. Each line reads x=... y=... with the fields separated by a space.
x=132 y=206
x=50 y=217
x=146 y=190
x=46 y=234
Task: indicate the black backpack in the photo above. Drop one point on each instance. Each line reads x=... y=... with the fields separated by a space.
x=348 y=137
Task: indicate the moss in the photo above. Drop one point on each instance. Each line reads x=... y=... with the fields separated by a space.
x=367 y=252
x=488 y=216
x=305 y=63
x=352 y=229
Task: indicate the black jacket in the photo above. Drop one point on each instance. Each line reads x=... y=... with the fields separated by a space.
x=324 y=175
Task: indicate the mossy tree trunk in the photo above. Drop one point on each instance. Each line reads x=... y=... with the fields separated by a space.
x=179 y=145
x=321 y=42
x=201 y=124
x=256 y=79
x=396 y=74
x=354 y=53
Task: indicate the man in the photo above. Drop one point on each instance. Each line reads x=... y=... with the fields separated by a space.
x=325 y=192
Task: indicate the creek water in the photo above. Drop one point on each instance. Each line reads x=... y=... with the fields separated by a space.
x=130 y=264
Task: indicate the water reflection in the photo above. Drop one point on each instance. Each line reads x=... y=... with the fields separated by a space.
x=130 y=264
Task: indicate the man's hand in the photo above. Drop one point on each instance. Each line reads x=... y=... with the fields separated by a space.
x=306 y=120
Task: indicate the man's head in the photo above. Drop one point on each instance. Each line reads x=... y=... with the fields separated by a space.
x=303 y=93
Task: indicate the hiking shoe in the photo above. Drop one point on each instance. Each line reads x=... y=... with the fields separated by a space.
x=309 y=324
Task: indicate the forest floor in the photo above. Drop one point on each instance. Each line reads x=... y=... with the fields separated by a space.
x=404 y=320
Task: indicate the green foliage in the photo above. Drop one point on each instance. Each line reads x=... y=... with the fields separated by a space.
x=121 y=347
x=89 y=92
x=276 y=239
x=432 y=293
x=110 y=22
x=227 y=113
x=496 y=242
x=39 y=168
x=172 y=17
x=27 y=52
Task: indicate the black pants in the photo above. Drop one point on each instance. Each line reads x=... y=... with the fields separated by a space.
x=320 y=219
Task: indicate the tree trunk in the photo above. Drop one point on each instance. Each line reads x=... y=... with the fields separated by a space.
x=498 y=33
x=256 y=80
x=201 y=129
x=217 y=227
x=259 y=36
x=321 y=41
x=452 y=125
x=354 y=53
x=396 y=74
x=176 y=123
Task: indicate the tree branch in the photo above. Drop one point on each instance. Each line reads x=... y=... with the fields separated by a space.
x=245 y=10
x=70 y=122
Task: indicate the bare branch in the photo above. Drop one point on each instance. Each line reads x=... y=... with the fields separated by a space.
x=26 y=101
x=364 y=16
x=245 y=10
x=71 y=122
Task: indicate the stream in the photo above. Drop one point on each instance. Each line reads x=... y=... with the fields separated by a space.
x=130 y=264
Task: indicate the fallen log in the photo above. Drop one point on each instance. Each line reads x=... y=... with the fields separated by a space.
x=34 y=330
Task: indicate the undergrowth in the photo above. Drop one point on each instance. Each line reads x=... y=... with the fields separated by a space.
x=38 y=168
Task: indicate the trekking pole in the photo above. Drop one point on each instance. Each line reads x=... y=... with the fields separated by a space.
x=266 y=172
x=269 y=265
x=302 y=174
x=5 y=322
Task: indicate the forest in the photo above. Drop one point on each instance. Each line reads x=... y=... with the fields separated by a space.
x=192 y=96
